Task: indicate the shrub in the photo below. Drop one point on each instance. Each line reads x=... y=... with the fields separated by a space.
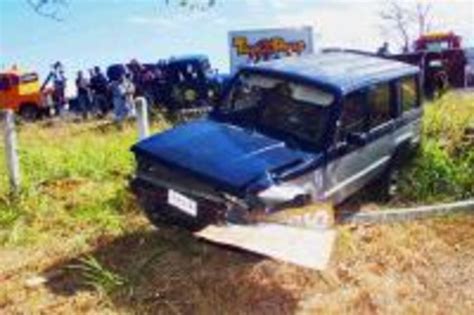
x=443 y=169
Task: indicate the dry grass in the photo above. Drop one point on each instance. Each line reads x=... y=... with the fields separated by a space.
x=419 y=268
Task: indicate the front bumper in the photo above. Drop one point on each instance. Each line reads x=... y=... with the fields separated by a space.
x=210 y=209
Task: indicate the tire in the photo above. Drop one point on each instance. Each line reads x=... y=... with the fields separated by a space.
x=29 y=112
x=387 y=184
x=384 y=187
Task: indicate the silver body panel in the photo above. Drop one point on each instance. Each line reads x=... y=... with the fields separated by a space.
x=339 y=179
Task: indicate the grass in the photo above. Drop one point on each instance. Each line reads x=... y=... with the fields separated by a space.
x=74 y=180
x=443 y=169
x=97 y=276
x=75 y=210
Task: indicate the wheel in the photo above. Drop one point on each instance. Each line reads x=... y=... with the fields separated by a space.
x=29 y=112
x=384 y=187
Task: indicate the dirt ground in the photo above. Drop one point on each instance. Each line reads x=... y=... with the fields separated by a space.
x=421 y=267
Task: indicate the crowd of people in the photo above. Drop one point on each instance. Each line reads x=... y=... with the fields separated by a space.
x=96 y=95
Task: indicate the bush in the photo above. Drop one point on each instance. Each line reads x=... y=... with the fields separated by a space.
x=443 y=169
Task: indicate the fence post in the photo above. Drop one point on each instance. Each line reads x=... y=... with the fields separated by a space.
x=468 y=72
x=142 y=118
x=13 y=165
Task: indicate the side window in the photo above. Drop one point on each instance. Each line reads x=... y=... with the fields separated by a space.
x=409 y=93
x=380 y=105
x=4 y=83
x=353 y=116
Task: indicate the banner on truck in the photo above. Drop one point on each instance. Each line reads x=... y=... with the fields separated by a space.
x=253 y=46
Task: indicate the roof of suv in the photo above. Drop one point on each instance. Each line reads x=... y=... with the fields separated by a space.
x=341 y=71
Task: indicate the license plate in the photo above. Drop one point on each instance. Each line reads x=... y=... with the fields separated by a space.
x=182 y=202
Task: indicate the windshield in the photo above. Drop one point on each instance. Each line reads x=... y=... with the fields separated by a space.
x=294 y=110
x=29 y=77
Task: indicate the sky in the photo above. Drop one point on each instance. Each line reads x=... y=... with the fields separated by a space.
x=102 y=32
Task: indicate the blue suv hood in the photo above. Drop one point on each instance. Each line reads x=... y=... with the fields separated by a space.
x=224 y=154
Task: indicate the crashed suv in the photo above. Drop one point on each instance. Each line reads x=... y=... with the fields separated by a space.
x=286 y=133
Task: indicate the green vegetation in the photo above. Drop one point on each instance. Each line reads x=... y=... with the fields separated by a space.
x=97 y=276
x=74 y=182
x=443 y=169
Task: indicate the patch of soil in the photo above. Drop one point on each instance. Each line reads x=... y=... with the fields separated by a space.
x=421 y=267
x=58 y=188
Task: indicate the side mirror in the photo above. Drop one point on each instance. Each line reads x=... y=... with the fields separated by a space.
x=357 y=139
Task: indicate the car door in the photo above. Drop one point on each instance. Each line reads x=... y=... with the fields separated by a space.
x=344 y=159
x=381 y=136
x=362 y=146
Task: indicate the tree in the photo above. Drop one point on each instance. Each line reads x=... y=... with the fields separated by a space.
x=402 y=20
x=423 y=17
x=192 y=4
x=51 y=9
x=54 y=9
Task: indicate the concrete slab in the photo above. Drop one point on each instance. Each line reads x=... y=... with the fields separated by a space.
x=310 y=248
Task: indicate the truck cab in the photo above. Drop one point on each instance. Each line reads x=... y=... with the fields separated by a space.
x=20 y=91
x=437 y=42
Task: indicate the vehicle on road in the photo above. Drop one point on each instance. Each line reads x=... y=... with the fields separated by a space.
x=21 y=91
x=287 y=133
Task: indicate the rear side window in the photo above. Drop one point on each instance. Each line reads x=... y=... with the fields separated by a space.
x=379 y=102
x=409 y=93
x=4 y=83
x=354 y=115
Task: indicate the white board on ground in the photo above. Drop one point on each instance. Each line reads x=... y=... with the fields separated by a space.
x=309 y=248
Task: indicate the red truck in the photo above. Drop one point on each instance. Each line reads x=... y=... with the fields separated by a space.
x=442 y=61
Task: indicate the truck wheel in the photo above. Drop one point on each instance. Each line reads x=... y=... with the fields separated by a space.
x=29 y=112
x=384 y=187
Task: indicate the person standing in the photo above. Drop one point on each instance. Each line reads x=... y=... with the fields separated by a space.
x=122 y=97
x=83 y=94
x=59 y=87
x=99 y=87
x=384 y=50
x=130 y=95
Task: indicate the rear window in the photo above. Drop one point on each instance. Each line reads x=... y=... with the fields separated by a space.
x=4 y=83
x=409 y=93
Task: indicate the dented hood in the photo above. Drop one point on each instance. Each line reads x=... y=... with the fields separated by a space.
x=224 y=154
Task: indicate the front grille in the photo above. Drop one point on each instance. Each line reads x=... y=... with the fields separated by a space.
x=171 y=178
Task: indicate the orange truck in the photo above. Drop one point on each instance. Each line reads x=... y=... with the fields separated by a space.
x=21 y=91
